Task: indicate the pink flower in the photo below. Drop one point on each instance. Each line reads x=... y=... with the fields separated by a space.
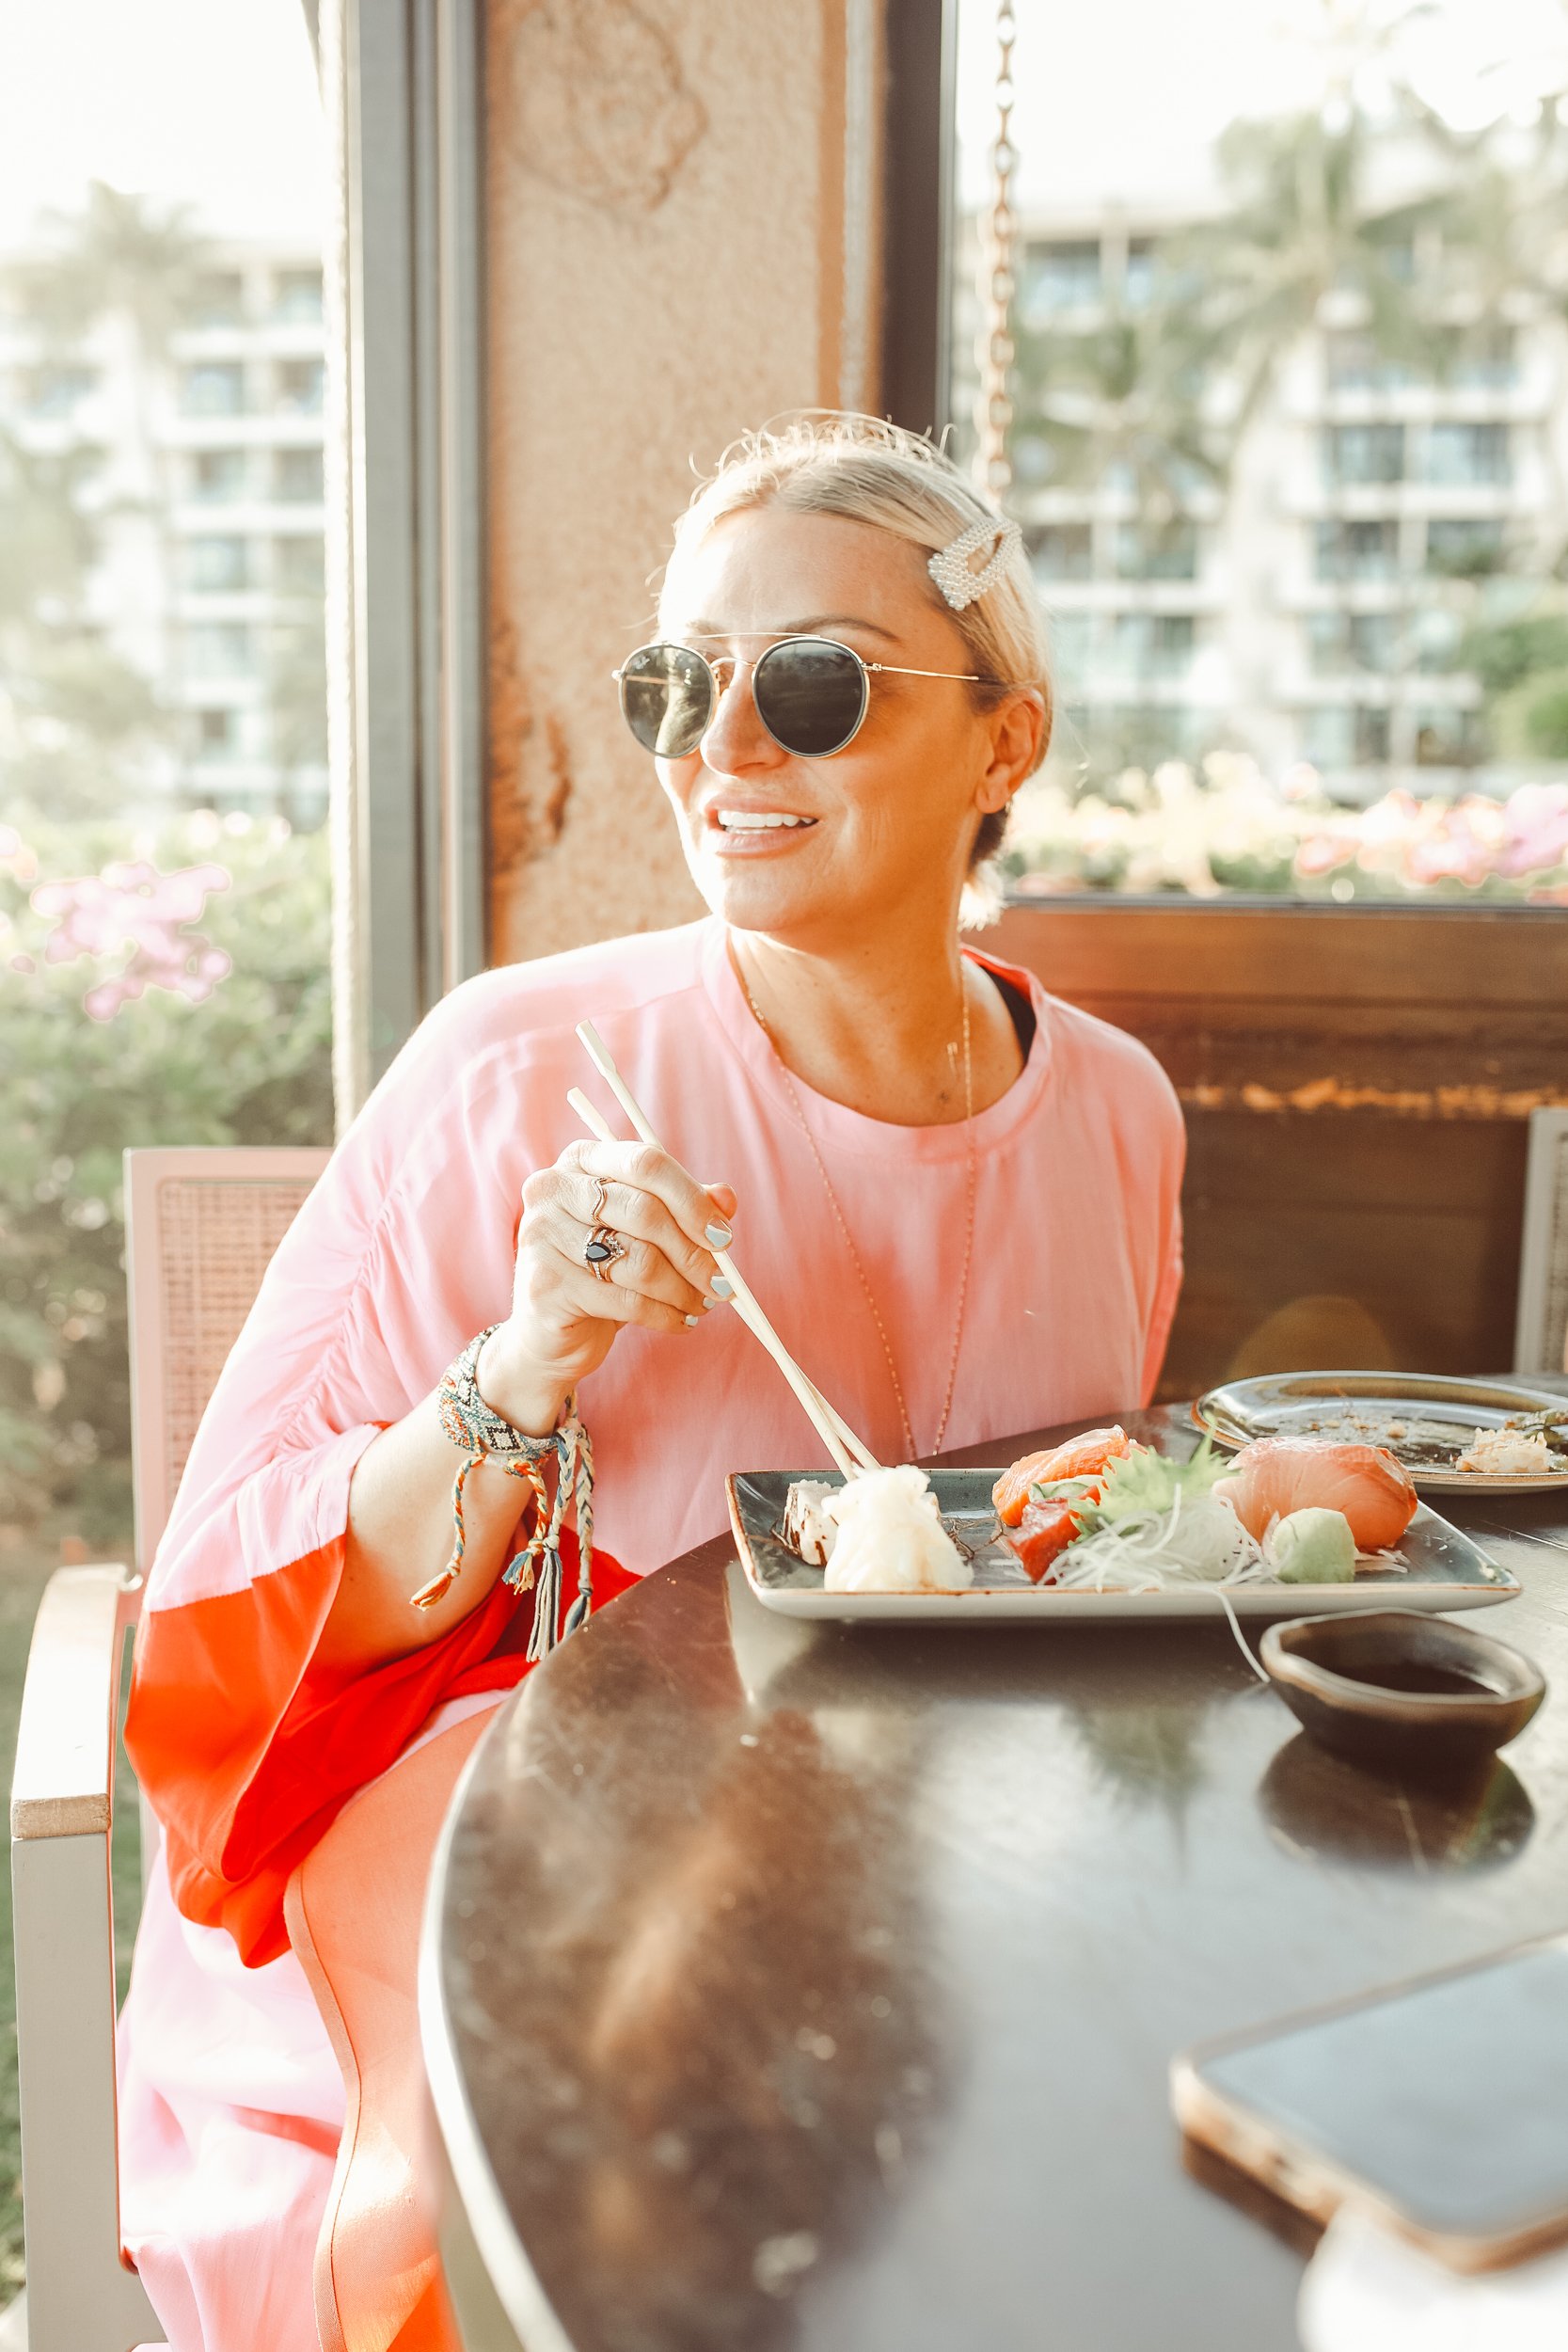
x=1536 y=829
x=1320 y=852
x=135 y=916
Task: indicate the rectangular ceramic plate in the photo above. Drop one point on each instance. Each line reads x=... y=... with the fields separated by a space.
x=1447 y=1571
x=1423 y=1418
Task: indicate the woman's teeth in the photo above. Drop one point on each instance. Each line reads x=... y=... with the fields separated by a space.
x=753 y=821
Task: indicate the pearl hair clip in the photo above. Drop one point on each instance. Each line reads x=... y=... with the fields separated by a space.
x=954 y=572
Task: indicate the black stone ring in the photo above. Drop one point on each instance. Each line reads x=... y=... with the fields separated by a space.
x=600 y=1250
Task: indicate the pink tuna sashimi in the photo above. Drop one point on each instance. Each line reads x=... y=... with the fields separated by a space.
x=1274 y=1476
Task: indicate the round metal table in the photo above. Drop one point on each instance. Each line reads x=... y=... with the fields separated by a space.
x=817 y=1986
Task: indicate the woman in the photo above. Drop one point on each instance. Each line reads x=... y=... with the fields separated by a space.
x=957 y=1198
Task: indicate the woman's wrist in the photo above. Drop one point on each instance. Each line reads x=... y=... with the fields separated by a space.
x=522 y=1392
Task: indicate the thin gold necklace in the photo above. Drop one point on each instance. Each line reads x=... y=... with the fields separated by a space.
x=834 y=1203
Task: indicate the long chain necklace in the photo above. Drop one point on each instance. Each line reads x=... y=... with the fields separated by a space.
x=974 y=1163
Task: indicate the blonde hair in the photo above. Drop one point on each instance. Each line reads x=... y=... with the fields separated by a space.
x=834 y=462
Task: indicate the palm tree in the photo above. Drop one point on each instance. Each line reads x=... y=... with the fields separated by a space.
x=1119 y=400
x=128 y=259
x=1304 y=226
x=121 y=254
x=296 y=701
x=54 y=670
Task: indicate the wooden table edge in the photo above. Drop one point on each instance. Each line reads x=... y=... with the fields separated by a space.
x=473 y=2217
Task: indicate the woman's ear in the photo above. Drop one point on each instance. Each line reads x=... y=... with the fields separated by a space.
x=1016 y=728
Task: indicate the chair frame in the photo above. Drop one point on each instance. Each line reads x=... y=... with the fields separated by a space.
x=83 y=2294
x=1541 y=1344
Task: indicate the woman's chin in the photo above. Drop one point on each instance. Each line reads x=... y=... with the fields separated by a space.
x=759 y=892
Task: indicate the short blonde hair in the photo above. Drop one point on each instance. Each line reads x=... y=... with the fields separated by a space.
x=834 y=462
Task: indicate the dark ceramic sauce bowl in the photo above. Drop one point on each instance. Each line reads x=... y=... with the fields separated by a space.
x=1398 y=1690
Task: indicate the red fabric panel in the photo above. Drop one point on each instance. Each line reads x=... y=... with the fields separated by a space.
x=246 y=1759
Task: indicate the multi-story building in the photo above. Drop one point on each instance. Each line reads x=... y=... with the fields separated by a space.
x=205 y=485
x=1311 y=606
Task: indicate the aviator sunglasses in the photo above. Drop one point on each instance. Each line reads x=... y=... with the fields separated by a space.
x=812 y=694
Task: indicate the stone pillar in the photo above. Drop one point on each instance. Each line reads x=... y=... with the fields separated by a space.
x=682 y=228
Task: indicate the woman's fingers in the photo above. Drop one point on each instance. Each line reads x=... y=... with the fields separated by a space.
x=621 y=1300
x=641 y=1267
x=664 y=1275
x=636 y=1217
x=642 y=1168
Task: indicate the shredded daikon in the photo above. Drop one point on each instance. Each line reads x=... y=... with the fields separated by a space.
x=1199 y=1541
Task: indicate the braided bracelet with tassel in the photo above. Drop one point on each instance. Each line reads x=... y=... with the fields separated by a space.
x=485 y=1436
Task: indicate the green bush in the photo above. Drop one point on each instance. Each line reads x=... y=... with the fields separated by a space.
x=243 y=1057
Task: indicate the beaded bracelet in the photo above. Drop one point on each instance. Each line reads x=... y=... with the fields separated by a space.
x=484 y=1435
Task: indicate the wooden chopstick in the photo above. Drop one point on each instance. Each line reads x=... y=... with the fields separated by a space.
x=815 y=1409
x=744 y=1299
x=847 y=1451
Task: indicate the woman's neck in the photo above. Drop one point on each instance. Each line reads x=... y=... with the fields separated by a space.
x=879 y=1027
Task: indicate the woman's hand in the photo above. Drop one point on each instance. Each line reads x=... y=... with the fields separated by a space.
x=564 y=1318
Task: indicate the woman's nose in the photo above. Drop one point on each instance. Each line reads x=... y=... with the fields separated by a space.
x=737 y=739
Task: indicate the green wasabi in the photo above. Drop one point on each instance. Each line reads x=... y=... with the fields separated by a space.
x=1311 y=1548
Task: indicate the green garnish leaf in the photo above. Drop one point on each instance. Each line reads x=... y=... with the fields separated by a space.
x=1142 y=1482
x=1062 y=1490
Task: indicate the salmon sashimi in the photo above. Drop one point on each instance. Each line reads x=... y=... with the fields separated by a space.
x=1274 y=1476
x=1042 y=1536
x=1080 y=1457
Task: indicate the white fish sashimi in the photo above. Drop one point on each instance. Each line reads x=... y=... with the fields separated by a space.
x=807 y=1529
x=891 y=1538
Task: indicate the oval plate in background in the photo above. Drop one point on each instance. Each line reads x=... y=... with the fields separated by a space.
x=1446 y=1570
x=1429 y=1413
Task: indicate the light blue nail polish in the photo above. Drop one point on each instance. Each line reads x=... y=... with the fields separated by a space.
x=710 y=1301
x=724 y=1286
x=692 y=1322
x=719 y=1235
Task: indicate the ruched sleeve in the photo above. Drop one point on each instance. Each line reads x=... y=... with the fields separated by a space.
x=244 y=1748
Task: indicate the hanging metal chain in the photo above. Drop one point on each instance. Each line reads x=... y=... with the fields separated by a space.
x=993 y=408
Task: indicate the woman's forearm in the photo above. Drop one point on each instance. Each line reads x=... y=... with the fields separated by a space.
x=564 y=1319
x=400 y=1527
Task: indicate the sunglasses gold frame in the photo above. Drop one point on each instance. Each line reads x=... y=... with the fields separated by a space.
x=719 y=687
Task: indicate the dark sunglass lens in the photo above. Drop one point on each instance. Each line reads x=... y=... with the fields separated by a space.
x=810 y=695
x=667 y=695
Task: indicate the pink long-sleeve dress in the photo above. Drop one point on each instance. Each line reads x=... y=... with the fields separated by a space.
x=231 y=2101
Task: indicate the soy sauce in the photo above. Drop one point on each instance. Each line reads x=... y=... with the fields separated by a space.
x=1423 y=1680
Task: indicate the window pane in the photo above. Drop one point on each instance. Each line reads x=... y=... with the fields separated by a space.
x=218 y=649
x=1484 y=358
x=1342 y=641
x=1071 y=647
x=301 y=386
x=217 y=734
x=297 y=296
x=1144 y=552
x=215 y=388
x=216 y=565
x=1357 y=551
x=1468 y=453
x=217 y=298
x=297 y=476
x=1354 y=453
x=218 y=474
x=1356 y=364
x=1464 y=546
x=55 y=390
x=1446 y=735
x=1140 y=277
x=1288 y=418
x=299 y=566
x=1058 y=277
x=1061 y=550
